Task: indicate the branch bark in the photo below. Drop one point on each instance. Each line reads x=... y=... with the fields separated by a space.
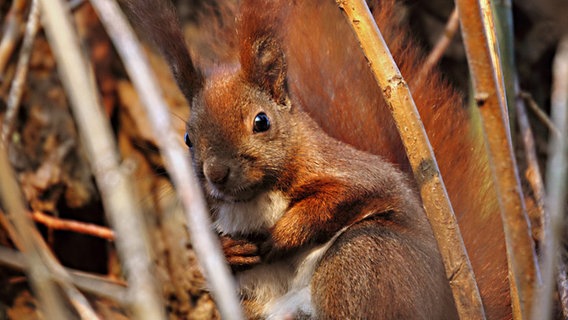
x=117 y=193
x=72 y=225
x=442 y=45
x=10 y=194
x=557 y=171
x=93 y=284
x=433 y=192
x=483 y=59
x=206 y=244
x=17 y=90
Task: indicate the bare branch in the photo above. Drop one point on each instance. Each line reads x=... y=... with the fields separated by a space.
x=75 y=226
x=116 y=190
x=54 y=270
x=12 y=32
x=556 y=175
x=50 y=299
x=205 y=243
x=422 y=160
x=542 y=116
x=442 y=45
x=489 y=91
x=100 y=286
x=533 y=175
x=17 y=88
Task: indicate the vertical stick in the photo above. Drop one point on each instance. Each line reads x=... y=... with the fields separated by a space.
x=432 y=189
x=484 y=64
x=556 y=175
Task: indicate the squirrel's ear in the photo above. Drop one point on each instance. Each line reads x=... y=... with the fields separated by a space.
x=263 y=64
x=159 y=23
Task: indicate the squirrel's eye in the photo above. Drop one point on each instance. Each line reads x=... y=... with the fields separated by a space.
x=261 y=123
x=187 y=141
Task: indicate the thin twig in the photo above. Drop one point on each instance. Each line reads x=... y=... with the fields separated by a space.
x=442 y=45
x=556 y=176
x=489 y=92
x=50 y=299
x=562 y=287
x=541 y=115
x=31 y=237
x=205 y=242
x=12 y=32
x=71 y=225
x=17 y=88
x=57 y=272
x=100 y=286
x=533 y=174
x=421 y=157
x=117 y=193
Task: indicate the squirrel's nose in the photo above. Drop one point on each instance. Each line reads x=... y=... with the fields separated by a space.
x=217 y=173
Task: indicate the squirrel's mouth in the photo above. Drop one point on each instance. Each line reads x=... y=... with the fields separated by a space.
x=241 y=193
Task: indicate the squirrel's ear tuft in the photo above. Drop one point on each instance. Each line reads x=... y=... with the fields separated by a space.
x=158 y=21
x=263 y=64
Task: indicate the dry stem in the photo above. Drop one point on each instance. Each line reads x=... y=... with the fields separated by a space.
x=71 y=225
x=100 y=286
x=17 y=88
x=42 y=266
x=422 y=160
x=205 y=243
x=562 y=287
x=542 y=116
x=533 y=174
x=116 y=190
x=12 y=32
x=481 y=48
x=557 y=170
x=442 y=45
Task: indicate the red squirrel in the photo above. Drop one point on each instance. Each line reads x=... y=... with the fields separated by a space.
x=346 y=235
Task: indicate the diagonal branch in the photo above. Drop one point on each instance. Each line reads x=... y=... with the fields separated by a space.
x=442 y=45
x=17 y=88
x=117 y=193
x=432 y=189
x=12 y=33
x=93 y=284
x=205 y=243
x=484 y=64
x=72 y=225
x=41 y=264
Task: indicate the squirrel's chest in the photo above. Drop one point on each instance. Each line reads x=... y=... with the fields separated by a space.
x=255 y=215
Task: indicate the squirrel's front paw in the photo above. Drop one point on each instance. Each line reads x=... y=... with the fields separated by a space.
x=241 y=254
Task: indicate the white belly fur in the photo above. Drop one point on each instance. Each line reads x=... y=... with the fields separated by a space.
x=282 y=287
x=258 y=214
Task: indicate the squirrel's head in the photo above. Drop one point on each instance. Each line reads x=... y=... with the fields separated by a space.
x=239 y=128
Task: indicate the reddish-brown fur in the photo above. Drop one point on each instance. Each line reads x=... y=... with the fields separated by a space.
x=328 y=76
x=332 y=79
x=327 y=186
